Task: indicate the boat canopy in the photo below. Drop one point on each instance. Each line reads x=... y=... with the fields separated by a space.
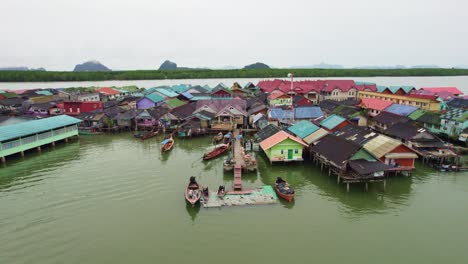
x=165 y=141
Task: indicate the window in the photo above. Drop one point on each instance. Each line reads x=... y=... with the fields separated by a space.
x=296 y=151
x=282 y=152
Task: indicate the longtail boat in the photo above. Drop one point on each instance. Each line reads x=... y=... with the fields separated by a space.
x=283 y=189
x=167 y=144
x=193 y=192
x=216 y=152
x=143 y=135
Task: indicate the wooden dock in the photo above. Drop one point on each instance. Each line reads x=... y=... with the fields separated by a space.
x=263 y=195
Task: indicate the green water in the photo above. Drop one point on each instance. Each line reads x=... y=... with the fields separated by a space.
x=112 y=199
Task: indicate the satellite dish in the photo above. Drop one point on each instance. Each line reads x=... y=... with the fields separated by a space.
x=290 y=75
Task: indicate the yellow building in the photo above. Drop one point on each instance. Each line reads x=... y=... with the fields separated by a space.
x=422 y=103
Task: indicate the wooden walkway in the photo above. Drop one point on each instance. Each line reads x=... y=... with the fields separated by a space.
x=239 y=162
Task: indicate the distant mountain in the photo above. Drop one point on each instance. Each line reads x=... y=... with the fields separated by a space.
x=425 y=67
x=381 y=67
x=257 y=65
x=21 y=69
x=91 y=66
x=320 y=66
x=168 y=65
x=461 y=67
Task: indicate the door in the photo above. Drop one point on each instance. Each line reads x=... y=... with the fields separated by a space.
x=290 y=154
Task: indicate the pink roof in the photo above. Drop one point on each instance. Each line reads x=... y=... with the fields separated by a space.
x=376 y=104
x=278 y=138
x=453 y=90
x=275 y=94
x=108 y=91
x=423 y=96
x=364 y=87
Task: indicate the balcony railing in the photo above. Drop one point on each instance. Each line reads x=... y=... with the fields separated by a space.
x=36 y=137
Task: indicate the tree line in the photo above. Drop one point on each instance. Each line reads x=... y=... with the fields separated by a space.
x=55 y=76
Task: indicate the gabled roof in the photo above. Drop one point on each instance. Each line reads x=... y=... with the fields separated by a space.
x=375 y=104
x=356 y=134
x=429 y=118
x=390 y=118
x=332 y=121
x=278 y=113
x=218 y=105
x=308 y=112
x=453 y=90
x=381 y=145
x=174 y=102
x=275 y=94
x=107 y=91
x=416 y=114
x=399 y=109
x=335 y=149
x=407 y=131
x=36 y=126
x=184 y=111
x=363 y=167
x=347 y=111
x=278 y=138
x=315 y=136
x=266 y=132
x=166 y=92
x=303 y=128
x=328 y=105
x=155 y=97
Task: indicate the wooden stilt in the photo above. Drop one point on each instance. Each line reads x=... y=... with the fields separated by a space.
x=22 y=154
x=384 y=184
x=66 y=140
x=3 y=159
x=338 y=179
x=329 y=171
x=53 y=144
x=39 y=149
x=367 y=186
x=347 y=187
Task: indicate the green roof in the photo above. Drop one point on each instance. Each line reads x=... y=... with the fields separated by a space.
x=174 y=102
x=416 y=114
x=395 y=88
x=332 y=121
x=44 y=92
x=36 y=126
x=303 y=128
x=166 y=92
x=363 y=154
x=10 y=95
x=180 y=88
x=155 y=97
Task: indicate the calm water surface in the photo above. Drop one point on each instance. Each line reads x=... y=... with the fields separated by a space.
x=112 y=199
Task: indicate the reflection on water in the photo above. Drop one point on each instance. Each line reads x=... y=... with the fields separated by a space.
x=102 y=195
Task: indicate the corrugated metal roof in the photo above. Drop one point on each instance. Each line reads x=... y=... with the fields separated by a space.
x=44 y=92
x=166 y=92
x=278 y=138
x=308 y=112
x=187 y=95
x=416 y=114
x=402 y=110
x=278 y=113
x=155 y=97
x=174 y=102
x=381 y=145
x=303 y=129
x=332 y=121
x=35 y=126
x=317 y=135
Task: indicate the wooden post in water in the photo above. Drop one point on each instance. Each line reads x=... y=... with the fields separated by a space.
x=66 y=140
x=22 y=154
x=39 y=149
x=384 y=183
x=3 y=159
x=367 y=186
x=53 y=144
x=347 y=186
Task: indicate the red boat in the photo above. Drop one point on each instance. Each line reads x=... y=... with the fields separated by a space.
x=167 y=144
x=193 y=192
x=283 y=189
x=216 y=152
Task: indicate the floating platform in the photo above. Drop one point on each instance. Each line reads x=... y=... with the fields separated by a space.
x=263 y=195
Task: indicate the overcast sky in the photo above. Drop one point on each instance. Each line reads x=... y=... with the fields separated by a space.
x=141 y=34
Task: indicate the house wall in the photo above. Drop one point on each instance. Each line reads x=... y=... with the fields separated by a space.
x=338 y=95
x=451 y=127
x=81 y=107
x=145 y=103
x=286 y=100
x=279 y=152
x=401 y=162
x=425 y=104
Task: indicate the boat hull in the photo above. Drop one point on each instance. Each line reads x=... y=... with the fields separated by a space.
x=216 y=152
x=287 y=197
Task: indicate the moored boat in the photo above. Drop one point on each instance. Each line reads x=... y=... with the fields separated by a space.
x=193 y=192
x=206 y=194
x=145 y=134
x=167 y=144
x=283 y=189
x=216 y=152
x=221 y=191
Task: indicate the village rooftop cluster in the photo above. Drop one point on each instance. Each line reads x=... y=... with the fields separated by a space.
x=359 y=131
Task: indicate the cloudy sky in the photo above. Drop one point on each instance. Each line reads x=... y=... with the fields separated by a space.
x=141 y=34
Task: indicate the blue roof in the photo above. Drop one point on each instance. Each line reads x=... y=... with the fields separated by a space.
x=303 y=128
x=180 y=88
x=36 y=126
x=187 y=95
x=278 y=113
x=402 y=110
x=363 y=83
x=308 y=112
x=332 y=121
x=44 y=92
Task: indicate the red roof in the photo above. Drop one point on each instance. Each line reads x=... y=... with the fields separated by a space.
x=308 y=86
x=275 y=94
x=108 y=91
x=453 y=90
x=278 y=138
x=423 y=96
x=376 y=104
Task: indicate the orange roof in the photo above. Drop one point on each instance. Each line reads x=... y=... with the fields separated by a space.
x=373 y=103
x=278 y=138
x=108 y=91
